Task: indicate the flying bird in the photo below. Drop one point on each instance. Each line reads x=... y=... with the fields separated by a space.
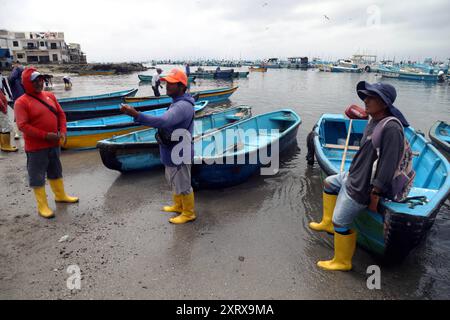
x=326 y=17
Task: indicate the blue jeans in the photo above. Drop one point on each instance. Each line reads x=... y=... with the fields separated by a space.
x=346 y=209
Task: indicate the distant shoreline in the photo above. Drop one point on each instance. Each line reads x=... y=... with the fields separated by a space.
x=117 y=68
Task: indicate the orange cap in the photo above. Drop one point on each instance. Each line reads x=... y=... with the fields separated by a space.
x=175 y=76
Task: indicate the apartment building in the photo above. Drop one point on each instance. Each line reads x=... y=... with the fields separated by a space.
x=40 y=47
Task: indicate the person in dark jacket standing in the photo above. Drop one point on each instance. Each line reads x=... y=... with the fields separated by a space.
x=347 y=193
x=43 y=123
x=156 y=82
x=16 y=87
x=179 y=115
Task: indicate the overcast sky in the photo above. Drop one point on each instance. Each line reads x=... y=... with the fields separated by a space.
x=138 y=30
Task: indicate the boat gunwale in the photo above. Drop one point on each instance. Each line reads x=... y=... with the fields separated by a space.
x=112 y=145
x=297 y=122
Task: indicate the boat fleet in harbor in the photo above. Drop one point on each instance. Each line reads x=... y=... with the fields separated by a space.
x=426 y=71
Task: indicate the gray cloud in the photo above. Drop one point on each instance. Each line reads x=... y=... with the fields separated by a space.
x=141 y=30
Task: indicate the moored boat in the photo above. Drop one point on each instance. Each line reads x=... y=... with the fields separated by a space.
x=241 y=74
x=148 y=78
x=258 y=69
x=211 y=95
x=140 y=151
x=407 y=74
x=440 y=136
x=85 y=134
x=143 y=104
x=396 y=228
x=230 y=156
x=96 y=100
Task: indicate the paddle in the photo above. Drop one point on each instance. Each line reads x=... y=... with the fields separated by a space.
x=346 y=145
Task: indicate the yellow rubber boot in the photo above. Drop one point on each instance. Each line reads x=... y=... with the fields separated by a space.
x=344 y=248
x=178 y=204
x=329 y=202
x=6 y=143
x=58 y=189
x=188 y=213
x=42 y=204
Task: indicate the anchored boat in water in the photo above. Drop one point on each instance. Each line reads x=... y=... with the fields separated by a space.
x=440 y=136
x=148 y=78
x=143 y=104
x=96 y=100
x=85 y=134
x=212 y=95
x=140 y=150
x=230 y=156
x=398 y=227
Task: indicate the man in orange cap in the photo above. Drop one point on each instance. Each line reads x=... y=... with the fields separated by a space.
x=179 y=115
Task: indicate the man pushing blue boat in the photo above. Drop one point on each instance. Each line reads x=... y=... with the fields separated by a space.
x=179 y=115
x=382 y=167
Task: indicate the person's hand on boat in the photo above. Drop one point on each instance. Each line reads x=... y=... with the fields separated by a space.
x=52 y=137
x=124 y=108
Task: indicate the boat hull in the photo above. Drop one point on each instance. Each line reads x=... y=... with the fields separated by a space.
x=97 y=100
x=395 y=230
x=125 y=156
x=212 y=96
x=227 y=171
x=82 y=135
x=439 y=133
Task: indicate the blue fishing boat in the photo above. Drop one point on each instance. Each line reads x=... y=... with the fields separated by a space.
x=230 y=156
x=407 y=74
x=96 y=100
x=440 y=136
x=148 y=78
x=85 y=134
x=211 y=95
x=140 y=151
x=396 y=228
x=241 y=74
x=143 y=104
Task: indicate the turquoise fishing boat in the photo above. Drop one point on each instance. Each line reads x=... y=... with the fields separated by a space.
x=231 y=155
x=241 y=74
x=345 y=69
x=148 y=78
x=85 y=134
x=396 y=228
x=143 y=104
x=407 y=74
x=140 y=151
x=96 y=100
x=211 y=95
x=440 y=136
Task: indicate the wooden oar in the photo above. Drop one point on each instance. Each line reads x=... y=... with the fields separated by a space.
x=346 y=145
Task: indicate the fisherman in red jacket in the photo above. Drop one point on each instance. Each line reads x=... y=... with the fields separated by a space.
x=43 y=123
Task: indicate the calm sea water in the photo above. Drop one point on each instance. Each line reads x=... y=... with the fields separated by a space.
x=425 y=274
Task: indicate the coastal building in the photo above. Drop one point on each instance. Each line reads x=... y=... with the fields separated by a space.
x=40 y=47
x=75 y=54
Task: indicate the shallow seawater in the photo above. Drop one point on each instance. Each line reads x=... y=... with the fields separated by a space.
x=294 y=194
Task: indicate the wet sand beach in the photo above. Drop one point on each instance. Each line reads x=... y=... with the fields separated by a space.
x=250 y=241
